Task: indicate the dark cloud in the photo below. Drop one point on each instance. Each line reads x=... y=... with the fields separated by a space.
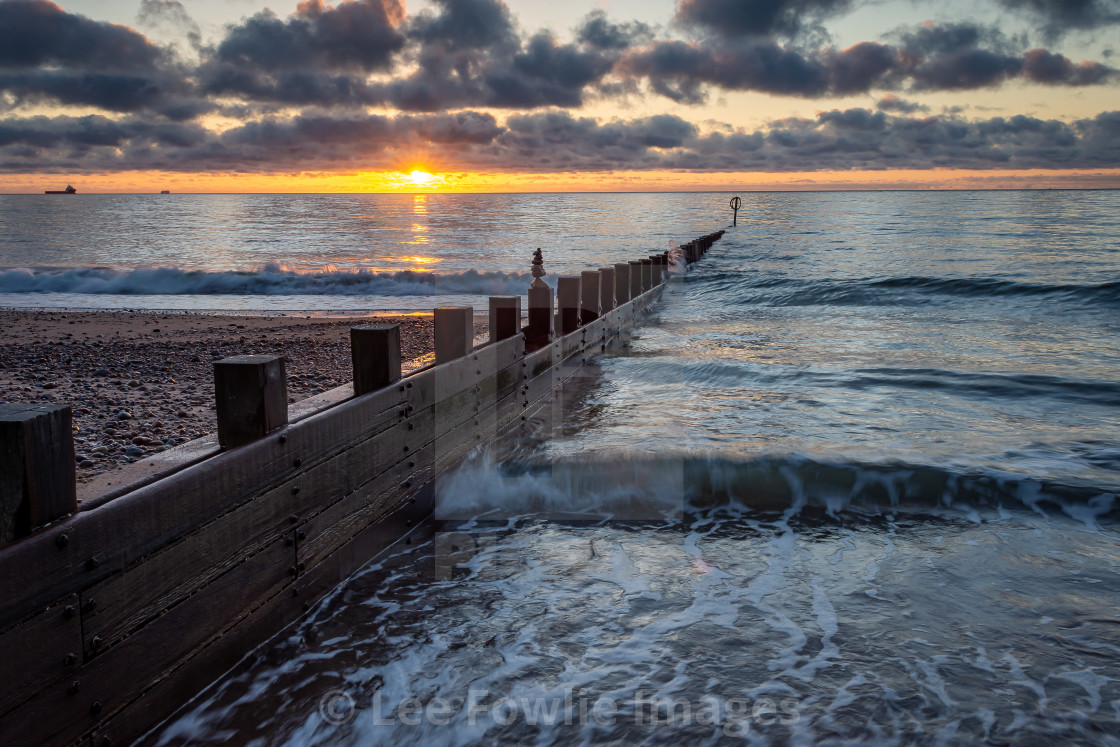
x=1061 y=16
x=465 y=55
x=945 y=38
x=466 y=25
x=320 y=56
x=956 y=56
x=361 y=35
x=335 y=62
x=470 y=54
x=1042 y=66
x=929 y=58
x=852 y=139
x=599 y=32
x=301 y=142
x=545 y=73
x=892 y=103
x=38 y=33
x=68 y=136
x=963 y=70
x=118 y=93
x=681 y=70
x=736 y=18
x=50 y=56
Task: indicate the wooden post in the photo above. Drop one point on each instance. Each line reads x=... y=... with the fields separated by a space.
x=655 y=261
x=589 y=296
x=376 y=354
x=647 y=274
x=736 y=203
x=567 y=298
x=454 y=332
x=251 y=396
x=635 y=278
x=540 y=329
x=621 y=282
x=505 y=317
x=36 y=467
x=606 y=289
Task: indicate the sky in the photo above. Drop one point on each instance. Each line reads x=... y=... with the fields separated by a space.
x=541 y=95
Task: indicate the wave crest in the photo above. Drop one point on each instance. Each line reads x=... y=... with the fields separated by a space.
x=778 y=291
x=273 y=279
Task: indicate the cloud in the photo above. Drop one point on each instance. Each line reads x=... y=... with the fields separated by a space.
x=1042 y=66
x=738 y=18
x=38 y=33
x=440 y=69
x=361 y=35
x=555 y=141
x=599 y=32
x=891 y=103
x=466 y=25
x=50 y=56
x=169 y=14
x=932 y=57
x=470 y=54
x=466 y=54
x=321 y=55
x=1062 y=16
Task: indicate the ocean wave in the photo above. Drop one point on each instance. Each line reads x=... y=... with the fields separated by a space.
x=641 y=487
x=779 y=291
x=272 y=279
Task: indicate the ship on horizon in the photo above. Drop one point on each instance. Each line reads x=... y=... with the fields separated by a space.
x=68 y=191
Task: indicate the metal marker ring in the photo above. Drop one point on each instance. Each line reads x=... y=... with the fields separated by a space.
x=736 y=203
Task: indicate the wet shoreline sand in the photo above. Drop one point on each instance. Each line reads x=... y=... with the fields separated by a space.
x=140 y=382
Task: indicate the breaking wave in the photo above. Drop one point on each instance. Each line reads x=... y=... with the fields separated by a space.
x=272 y=279
x=642 y=487
x=903 y=290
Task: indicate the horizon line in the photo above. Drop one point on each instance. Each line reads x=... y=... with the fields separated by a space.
x=603 y=192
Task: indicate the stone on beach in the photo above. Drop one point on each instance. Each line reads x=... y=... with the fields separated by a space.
x=134 y=395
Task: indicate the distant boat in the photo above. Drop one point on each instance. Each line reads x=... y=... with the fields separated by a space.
x=166 y=192
x=68 y=191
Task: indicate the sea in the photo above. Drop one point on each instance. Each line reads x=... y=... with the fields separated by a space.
x=854 y=481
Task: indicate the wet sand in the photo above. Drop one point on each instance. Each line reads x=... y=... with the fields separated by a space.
x=141 y=382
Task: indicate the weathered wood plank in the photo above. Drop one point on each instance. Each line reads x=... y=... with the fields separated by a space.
x=110 y=682
x=39 y=651
x=448 y=379
x=105 y=540
x=127 y=600
x=133 y=723
x=323 y=577
x=335 y=526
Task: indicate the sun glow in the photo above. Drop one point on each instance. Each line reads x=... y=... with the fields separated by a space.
x=421 y=178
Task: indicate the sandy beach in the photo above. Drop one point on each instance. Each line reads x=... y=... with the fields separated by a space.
x=141 y=382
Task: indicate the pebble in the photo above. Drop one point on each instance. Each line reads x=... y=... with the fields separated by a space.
x=133 y=397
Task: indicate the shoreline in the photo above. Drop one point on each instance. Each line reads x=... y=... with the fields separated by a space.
x=140 y=382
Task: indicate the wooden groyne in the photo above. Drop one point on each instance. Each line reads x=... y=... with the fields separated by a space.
x=114 y=612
